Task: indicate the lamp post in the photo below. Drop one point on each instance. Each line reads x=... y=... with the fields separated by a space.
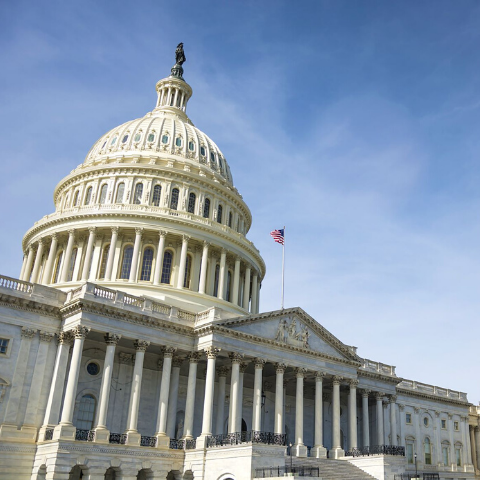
x=416 y=474
x=290 y=458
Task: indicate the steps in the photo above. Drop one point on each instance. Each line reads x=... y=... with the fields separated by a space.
x=332 y=469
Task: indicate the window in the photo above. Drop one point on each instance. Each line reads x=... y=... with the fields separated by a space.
x=191 y=203
x=93 y=368
x=444 y=424
x=410 y=458
x=137 y=196
x=86 y=413
x=125 y=138
x=4 y=345
x=57 y=267
x=126 y=262
x=114 y=141
x=174 y=199
x=103 y=193
x=230 y=219
x=455 y=426
x=157 y=193
x=215 y=285
x=75 y=199
x=151 y=137
x=219 y=214
x=103 y=263
x=458 y=456
x=178 y=142
x=71 y=265
x=104 y=143
x=428 y=451
x=206 y=208
x=120 y=192
x=137 y=137
x=191 y=146
x=88 y=196
x=220 y=163
x=188 y=268
x=202 y=151
x=147 y=264
x=445 y=453
x=229 y=281
x=425 y=421
x=167 y=267
x=212 y=157
x=408 y=418
x=165 y=139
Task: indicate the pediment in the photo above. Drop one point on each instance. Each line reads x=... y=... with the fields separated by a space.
x=295 y=328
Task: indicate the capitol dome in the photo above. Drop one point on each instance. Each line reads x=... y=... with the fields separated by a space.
x=152 y=211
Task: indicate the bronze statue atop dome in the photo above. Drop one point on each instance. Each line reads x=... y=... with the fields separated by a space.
x=180 y=58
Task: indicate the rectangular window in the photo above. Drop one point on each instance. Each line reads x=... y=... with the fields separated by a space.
x=410 y=453
x=444 y=424
x=3 y=346
x=408 y=418
x=458 y=457
x=445 y=455
x=455 y=426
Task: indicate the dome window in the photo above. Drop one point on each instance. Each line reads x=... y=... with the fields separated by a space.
x=202 y=151
x=220 y=163
x=103 y=193
x=147 y=263
x=165 y=139
x=125 y=138
x=206 y=208
x=192 y=198
x=137 y=137
x=114 y=141
x=137 y=198
x=212 y=157
x=88 y=196
x=174 y=199
x=157 y=192
x=120 y=191
x=178 y=142
x=126 y=262
x=167 y=267
x=104 y=143
x=219 y=214
x=151 y=137
x=191 y=146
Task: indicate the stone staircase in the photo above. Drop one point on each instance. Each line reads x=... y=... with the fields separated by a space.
x=331 y=469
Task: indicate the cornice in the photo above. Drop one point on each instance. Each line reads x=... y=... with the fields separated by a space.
x=379 y=376
x=417 y=394
x=29 y=305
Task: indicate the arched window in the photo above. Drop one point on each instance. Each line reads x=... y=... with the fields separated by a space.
x=71 y=265
x=86 y=412
x=147 y=262
x=75 y=198
x=103 y=193
x=191 y=203
x=103 y=263
x=428 y=451
x=174 y=199
x=167 y=266
x=230 y=219
x=137 y=196
x=120 y=192
x=58 y=266
x=229 y=285
x=88 y=196
x=188 y=269
x=410 y=448
x=215 y=284
x=219 y=214
x=126 y=262
x=206 y=208
x=157 y=193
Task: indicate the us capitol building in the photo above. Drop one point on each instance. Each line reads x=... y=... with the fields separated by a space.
x=133 y=345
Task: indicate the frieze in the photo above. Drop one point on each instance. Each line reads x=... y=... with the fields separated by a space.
x=288 y=333
x=29 y=305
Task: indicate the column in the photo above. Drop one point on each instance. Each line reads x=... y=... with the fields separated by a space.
x=212 y=353
x=111 y=253
x=401 y=408
x=236 y=281
x=299 y=448
x=67 y=257
x=37 y=381
x=38 y=262
x=222 y=373
x=477 y=444
x=254 y=293
x=246 y=289
x=173 y=397
x=203 y=268
x=136 y=250
x=257 y=393
x=161 y=434
x=221 y=276
x=365 y=418
x=258 y=297
x=193 y=359
x=236 y=359
x=393 y=421
x=159 y=260
x=280 y=370
x=472 y=447
x=336 y=451
x=24 y=264
x=319 y=451
x=183 y=261
x=418 y=439
x=466 y=441
x=88 y=254
x=379 y=398
x=28 y=267
x=66 y=428
x=47 y=274
x=101 y=432
x=352 y=415
x=238 y=425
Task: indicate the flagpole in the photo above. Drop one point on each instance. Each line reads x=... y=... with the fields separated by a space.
x=283 y=267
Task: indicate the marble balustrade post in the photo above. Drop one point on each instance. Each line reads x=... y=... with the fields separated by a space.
x=173 y=397
x=336 y=451
x=236 y=359
x=111 y=253
x=352 y=415
x=88 y=254
x=193 y=359
x=280 y=370
x=222 y=373
x=52 y=253
x=257 y=395
x=319 y=451
x=299 y=447
x=164 y=395
x=203 y=268
x=136 y=251
x=38 y=262
x=67 y=257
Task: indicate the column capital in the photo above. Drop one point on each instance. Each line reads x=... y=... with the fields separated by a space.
x=280 y=367
x=259 y=363
x=40 y=241
x=222 y=371
x=28 y=332
x=177 y=361
x=168 y=352
x=416 y=409
x=212 y=352
x=112 y=338
x=392 y=398
x=114 y=229
x=337 y=379
x=64 y=338
x=193 y=357
x=379 y=396
x=238 y=258
x=366 y=393
x=126 y=358
x=235 y=357
x=477 y=429
x=223 y=251
x=243 y=367
x=139 y=231
x=162 y=234
x=319 y=376
x=437 y=413
x=401 y=407
x=71 y=232
x=160 y=364
x=54 y=236
x=45 y=336
x=140 y=345
x=353 y=382
x=300 y=372
x=450 y=416
x=186 y=238
x=80 y=331
x=206 y=244
x=92 y=230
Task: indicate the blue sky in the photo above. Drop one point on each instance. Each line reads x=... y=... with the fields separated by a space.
x=355 y=124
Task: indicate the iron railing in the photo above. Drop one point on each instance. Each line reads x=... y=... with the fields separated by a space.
x=177 y=444
x=297 y=471
x=148 y=441
x=190 y=444
x=118 y=438
x=423 y=476
x=85 y=435
x=48 y=434
x=237 y=438
x=376 y=450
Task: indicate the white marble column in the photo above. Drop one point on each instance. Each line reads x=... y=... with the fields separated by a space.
x=88 y=254
x=300 y=450
x=352 y=415
x=280 y=370
x=133 y=437
x=38 y=262
x=24 y=264
x=28 y=266
x=193 y=359
x=68 y=256
x=136 y=252
x=52 y=253
x=101 y=432
x=319 y=451
x=183 y=261
x=246 y=288
x=336 y=451
x=257 y=395
x=401 y=410
x=222 y=373
x=418 y=441
x=393 y=420
x=473 y=449
x=379 y=399
x=477 y=444
x=236 y=359
x=159 y=260
x=203 y=268
x=173 y=396
x=222 y=275
x=238 y=425
x=236 y=281
x=111 y=254
x=254 y=308
x=365 y=418
x=466 y=441
x=161 y=434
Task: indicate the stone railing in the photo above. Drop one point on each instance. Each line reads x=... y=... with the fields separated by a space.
x=14 y=284
x=377 y=367
x=287 y=471
x=432 y=390
x=376 y=450
x=237 y=438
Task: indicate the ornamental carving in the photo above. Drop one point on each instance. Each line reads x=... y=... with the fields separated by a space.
x=112 y=338
x=212 y=352
x=337 y=380
x=45 y=336
x=243 y=367
x=64 y=338
x=168 y=352
x=259 y=363
x=235 y=357
x=80 y=331
x=222 y=371
x=177 y=362
x=300 y=372
x=193 y=357
x=379 y=396
x=353 y=382
x=140 y=345
x=366 y=393
x=280 y=367
x=126 y=358
x=288 y=334
x=28 y=333
x=319 y=376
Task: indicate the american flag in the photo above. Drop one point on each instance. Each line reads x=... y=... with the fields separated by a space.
x=278 y=236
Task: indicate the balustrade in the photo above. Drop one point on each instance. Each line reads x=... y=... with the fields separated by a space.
x=376 y=450
x=14 y=284
x=237 y=438
x=85 y=435
x=118 y=438
x=294 y=471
